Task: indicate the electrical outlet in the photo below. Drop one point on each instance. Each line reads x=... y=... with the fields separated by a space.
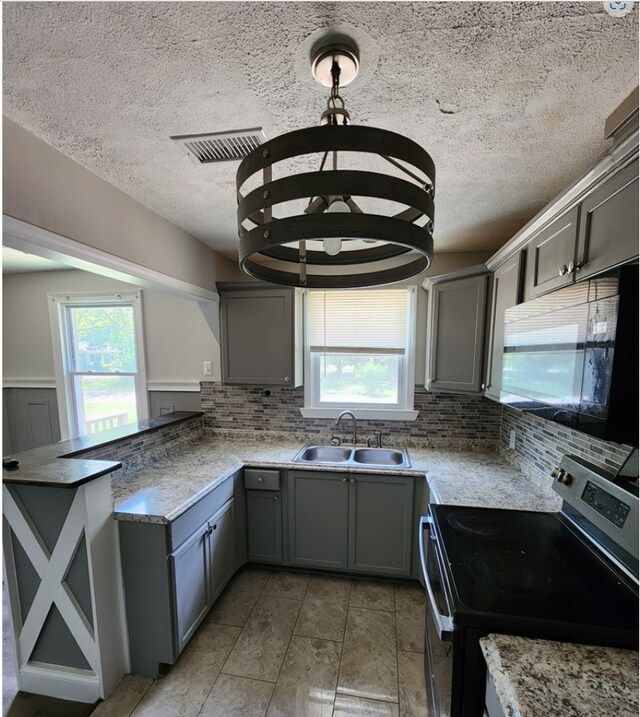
x=208 y=368
x=512 y=438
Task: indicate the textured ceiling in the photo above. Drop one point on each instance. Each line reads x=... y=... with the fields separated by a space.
x=510 y=99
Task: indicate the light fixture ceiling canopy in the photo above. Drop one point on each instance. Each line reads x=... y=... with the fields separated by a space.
x=332 y=242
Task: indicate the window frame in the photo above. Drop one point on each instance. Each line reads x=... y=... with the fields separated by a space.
x=402 y=411
x=60 y=337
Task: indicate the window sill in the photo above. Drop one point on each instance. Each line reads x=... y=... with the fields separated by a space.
x=376 y=414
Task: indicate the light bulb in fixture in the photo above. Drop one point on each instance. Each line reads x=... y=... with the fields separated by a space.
x=332 y=246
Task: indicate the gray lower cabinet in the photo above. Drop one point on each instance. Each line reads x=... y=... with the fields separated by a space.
x=609 y=224
x=455 y=343
x=506 y=292
x=172 y=574
x=356 y=522
x=264 y=526
x=551 y=256
x=318 y=519
x=380 y=524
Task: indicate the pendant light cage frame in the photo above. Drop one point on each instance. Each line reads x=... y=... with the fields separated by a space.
x=273 y=245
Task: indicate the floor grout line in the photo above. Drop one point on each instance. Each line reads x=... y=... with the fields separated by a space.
x=344 y=635
x=306 y=590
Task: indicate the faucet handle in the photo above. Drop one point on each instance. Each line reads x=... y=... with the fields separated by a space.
x=375 y=441
x=335 y=440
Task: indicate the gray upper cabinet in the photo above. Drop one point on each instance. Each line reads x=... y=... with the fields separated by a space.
x=318 y=518
x=506 y=292
x=609 y=224
x=261 y=335
x=551 y=256
x=455 y=340
x=380 y=524
x=351 y=522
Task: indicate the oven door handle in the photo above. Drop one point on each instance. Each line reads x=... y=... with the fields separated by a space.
x=444 y=623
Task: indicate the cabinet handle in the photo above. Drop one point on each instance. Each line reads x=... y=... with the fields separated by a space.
x=572 y=266
x=578 y=266
x=276 y=498
x=215 y=526
x=563 y=270
x=209 y=529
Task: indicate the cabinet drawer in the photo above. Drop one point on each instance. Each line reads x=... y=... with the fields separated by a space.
x=183 y=527
x=255 y=479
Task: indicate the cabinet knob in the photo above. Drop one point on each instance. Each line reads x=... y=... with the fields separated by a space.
x=344 y=480
x=287 y=379
x=352 y=480
x=564 y=269
x=215 y=526
x=276 y=498
x=572 y=266
x=209 y=528
x=260 y=480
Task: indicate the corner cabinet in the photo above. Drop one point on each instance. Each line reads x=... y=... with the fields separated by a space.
x=456 y=332
x=261 y=334
x=173 y=573
x=356 y=522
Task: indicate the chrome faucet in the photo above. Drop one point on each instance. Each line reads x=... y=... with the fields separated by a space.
x=349 y=413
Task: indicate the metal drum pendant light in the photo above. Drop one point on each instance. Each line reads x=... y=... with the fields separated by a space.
x=339 y=234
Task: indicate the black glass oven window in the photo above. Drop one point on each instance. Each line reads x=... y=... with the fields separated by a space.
x=528 y=564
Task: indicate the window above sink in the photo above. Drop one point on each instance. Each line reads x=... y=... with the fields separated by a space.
x=359 y=353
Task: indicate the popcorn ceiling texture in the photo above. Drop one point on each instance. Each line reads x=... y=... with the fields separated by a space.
x=540 y=445
x=443 y=419
x=510 y=98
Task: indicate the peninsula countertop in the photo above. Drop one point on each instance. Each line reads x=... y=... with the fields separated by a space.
x=162 y=491
x=62 y=465
x=541 y=678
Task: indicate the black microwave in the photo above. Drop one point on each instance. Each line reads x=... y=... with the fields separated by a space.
x=571 y=356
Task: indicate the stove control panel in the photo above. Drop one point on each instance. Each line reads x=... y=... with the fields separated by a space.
x=607 y=505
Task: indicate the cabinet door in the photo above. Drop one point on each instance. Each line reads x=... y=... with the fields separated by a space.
x=223 y=548
x=551 y=256
x=380 y=524
x=455 y=355
x=264 y=526
x=609 y=223
x=257 y=336
x=506 y=293
x=318 y=519
x=191 y=578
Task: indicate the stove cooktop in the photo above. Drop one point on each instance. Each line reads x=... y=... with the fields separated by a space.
x=519 y=568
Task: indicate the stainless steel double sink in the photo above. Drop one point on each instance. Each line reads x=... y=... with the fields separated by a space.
x=354 y=456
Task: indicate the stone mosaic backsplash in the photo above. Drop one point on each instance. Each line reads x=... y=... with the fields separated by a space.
x=145 y=448
x=540 y=444
x=443 y=419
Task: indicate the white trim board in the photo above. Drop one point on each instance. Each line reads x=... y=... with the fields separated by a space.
x=179 y=385
x=42 y=242
x=29 y=383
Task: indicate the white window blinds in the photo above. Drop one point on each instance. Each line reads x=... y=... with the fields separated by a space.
x=367 y=321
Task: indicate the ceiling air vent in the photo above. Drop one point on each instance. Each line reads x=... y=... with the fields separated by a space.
x=220 y=146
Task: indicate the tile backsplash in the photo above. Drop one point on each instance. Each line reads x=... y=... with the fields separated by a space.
x=443 y=419
x=540 y=444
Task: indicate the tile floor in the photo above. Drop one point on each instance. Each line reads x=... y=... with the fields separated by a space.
x=284 y=644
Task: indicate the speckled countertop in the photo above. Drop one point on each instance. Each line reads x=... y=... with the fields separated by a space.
x=540 y=678
x=162 y=491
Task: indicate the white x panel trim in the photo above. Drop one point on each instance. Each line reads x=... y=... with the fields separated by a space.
x=52 y=570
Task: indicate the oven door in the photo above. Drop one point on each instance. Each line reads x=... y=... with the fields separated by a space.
x=438 y=654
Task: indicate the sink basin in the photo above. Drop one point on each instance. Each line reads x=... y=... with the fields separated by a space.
x=379 y=456
x=324 y=454
x=354 y=457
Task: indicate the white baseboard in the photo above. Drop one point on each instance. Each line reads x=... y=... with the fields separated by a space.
x=64 y=683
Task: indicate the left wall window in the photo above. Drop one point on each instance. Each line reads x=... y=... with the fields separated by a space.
x=99 y=360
